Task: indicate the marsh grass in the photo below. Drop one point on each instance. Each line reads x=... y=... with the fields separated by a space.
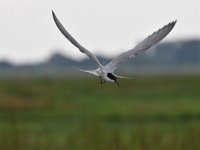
x=142 y=114
x=98 y=137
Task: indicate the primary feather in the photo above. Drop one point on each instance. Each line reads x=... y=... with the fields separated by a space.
x=74 y=42
x=141 y=47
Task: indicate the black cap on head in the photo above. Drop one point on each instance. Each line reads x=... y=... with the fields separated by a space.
x=111 y=76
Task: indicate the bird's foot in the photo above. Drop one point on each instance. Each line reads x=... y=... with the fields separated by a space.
x=101 y=80
x=117 y=83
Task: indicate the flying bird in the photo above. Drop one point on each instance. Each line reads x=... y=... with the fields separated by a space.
x=106 y=73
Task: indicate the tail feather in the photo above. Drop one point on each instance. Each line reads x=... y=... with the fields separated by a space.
x=122 y=77
x=88 y=71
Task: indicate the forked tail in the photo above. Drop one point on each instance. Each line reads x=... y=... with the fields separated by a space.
x=122 y=77
x=88 y=71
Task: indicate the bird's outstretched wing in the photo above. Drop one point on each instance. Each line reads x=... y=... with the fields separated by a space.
x=74 y=42
x=141 y=47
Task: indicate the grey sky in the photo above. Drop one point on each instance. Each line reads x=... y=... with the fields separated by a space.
x=108 y=27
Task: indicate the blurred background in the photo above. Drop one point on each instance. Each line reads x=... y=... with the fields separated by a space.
x=47 y=104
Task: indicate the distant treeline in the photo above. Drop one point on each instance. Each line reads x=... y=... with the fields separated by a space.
x=184 y=54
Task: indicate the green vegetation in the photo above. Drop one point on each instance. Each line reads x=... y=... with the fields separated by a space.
x=144 y=113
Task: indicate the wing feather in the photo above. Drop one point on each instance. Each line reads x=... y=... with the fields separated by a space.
x=74 y=42
x=148 y=42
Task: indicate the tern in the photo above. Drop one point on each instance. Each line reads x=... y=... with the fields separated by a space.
x=106 y=73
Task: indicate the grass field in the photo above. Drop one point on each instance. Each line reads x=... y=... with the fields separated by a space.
x=144 y=113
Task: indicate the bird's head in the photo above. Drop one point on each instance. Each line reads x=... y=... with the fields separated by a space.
x=113 y=78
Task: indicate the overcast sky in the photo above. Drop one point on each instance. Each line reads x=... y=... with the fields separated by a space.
x=106 y=27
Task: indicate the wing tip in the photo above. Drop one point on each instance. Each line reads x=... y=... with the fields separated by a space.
x=53 y=14
x=173 y=22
